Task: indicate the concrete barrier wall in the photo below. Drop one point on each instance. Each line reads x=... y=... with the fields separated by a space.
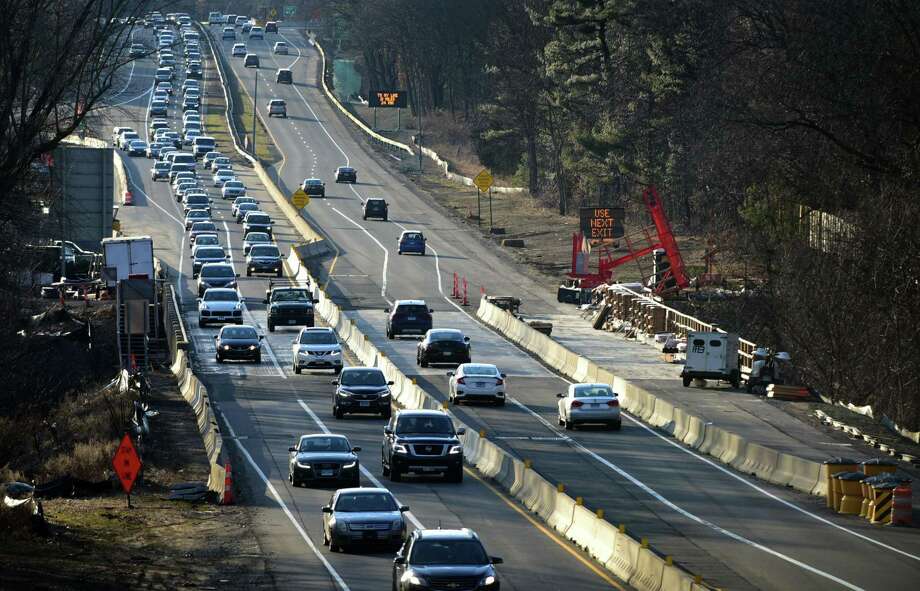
x=729 y=448
x=197 y=397
x=616 y=551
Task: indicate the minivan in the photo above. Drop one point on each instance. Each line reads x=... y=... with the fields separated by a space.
x=182 y=158
x=284 y=76
x=202 y=145
x=251 y=61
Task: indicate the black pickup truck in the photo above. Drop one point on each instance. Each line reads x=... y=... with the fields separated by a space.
x=289 y=305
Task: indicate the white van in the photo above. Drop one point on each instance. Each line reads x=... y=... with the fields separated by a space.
x=215 y=18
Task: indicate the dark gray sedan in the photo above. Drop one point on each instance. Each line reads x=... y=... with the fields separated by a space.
x=363 y=516
x=238 y=342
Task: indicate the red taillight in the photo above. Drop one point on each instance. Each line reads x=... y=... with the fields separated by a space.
x=461 y=380
x=577 y=404
x=499 y=382
x=613 y=402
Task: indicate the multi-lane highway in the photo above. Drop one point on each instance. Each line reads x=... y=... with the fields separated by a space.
x=735 y=532
x=266 y=407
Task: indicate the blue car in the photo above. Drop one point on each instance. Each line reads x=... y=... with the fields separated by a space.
x=411 y=241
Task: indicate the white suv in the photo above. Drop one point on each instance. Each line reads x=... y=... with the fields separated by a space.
x=317 y=348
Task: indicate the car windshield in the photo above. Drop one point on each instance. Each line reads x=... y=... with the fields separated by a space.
x=412 y=236
x=411 y=310
x=314 y=182
x=204 y=227
x=363 y=377
x=209 y=253
x=259 y=218
x=431 y=552
x=207 y=239
x=198 y=213
x=591 y=391
x=162 y=165
x=375 y=202
x=248 y=207
x=238 y=332
x=445 y=335
x=365 y=502
x=265 y=251
x=318 y=337
x=424 y=424
x=320 y=444
x=479 y=370
x=257 y=237
x=221 y=296
x=290 y=295
x=217 y=271
x=234 y=184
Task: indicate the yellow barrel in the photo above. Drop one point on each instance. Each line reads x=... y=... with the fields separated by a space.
x=831 y=467
x=877 y=466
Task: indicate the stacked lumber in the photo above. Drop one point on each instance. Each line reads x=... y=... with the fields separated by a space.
x=781 y=392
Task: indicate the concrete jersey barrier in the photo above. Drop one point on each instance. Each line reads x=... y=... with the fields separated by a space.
x=196 y=395
x=730 y=448
x=617 y=551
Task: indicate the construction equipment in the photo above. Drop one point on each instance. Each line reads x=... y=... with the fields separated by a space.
x=768 y=368
x=669 y=275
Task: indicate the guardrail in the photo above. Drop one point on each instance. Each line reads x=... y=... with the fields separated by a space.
x=176 y=335
x=634 y=561
x=679 y=323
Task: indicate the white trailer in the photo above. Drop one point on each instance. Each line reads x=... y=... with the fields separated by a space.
x=128 y=257
x=712 y=356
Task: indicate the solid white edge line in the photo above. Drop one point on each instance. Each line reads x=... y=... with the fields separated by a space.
x=680 y=510
x=386 y=253
x=339 y=581
x=364 y=470
x=148 y=198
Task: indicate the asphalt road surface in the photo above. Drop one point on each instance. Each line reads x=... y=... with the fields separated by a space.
x=736 y=532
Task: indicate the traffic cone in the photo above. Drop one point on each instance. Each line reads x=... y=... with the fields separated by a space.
x=228 y=487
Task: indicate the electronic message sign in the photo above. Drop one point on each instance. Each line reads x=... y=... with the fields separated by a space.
x=601 y=224
x=387 y=99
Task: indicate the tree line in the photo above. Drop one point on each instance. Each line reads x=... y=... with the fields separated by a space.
x=745 y=113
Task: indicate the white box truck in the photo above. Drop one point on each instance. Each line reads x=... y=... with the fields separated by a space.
x=128 y=257
x=712 y=356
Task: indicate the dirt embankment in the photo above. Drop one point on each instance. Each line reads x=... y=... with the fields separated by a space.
x=92 y=540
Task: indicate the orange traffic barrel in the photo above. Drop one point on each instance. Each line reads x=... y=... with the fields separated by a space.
x=901 y=505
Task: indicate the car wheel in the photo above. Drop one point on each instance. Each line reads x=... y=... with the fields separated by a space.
x=333 y=547
x=456 y=475
x=337 y=370
x=423 y=362
x=568 y=424
x=325 y=538
x=384 y=217
x=364 y=217
x=220 y=359
x=387 y=414
x=395 y=476
x=559 y=420
x=385 y=469
x=423 y=252
x=271 y=327
x=337 y=412
x=258 y=358
x=617 y=425
x=279 y=273
x=398 y=252
x=687 y=380
x=297 y=369
x=248 y=273
x=390 y=334
x=500 y=402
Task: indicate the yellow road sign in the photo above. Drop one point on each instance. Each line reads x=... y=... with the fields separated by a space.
x=273 y=13
x=300 y=199
x=483 y=180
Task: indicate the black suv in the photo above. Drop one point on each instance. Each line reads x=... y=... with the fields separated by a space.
x=256 y=221
x=289 y=305
x=444 y=559
x=408 y=317
x=375 y=207
x=264 y=258
x=422 y=442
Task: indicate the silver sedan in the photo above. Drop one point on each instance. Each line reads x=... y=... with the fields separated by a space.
x=589 y=403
